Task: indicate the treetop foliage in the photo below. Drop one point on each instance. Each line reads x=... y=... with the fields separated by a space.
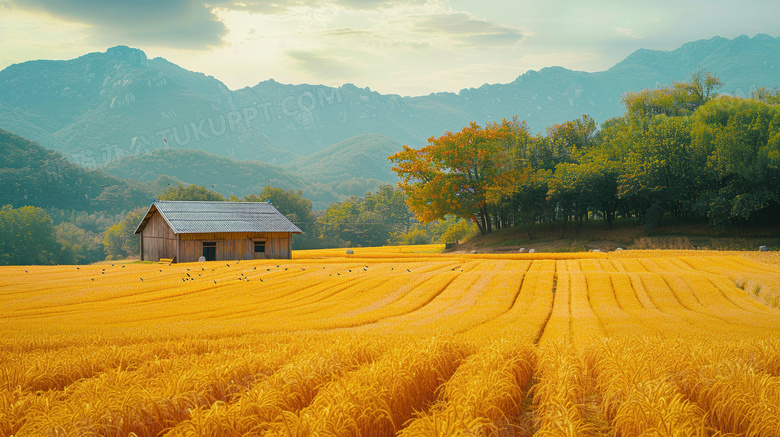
x=191 y=192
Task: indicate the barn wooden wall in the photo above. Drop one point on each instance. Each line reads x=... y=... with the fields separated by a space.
x=235 y=246
x=158 y=240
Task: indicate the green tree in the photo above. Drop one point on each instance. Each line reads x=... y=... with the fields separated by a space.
x=530 y=198
x=84 y=247
x=120 y=240
x=682 y=98
x=191 y=192
x=390 y=204
x=567 y=139
x=296 y=208
x=28 y=236
x=766 y=95
x=744 y=138
x=374 y=220
x=456 y=231
x=665 y=170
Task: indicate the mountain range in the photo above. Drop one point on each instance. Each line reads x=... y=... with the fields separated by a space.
x=138 y=118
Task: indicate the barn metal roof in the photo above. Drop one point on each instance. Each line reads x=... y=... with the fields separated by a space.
x=195 y=217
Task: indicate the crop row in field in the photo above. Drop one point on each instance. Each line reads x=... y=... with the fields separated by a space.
x=536 y=299
x=327 y=384
x=427 y=344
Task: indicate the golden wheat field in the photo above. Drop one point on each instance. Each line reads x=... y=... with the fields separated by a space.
x=395 y=341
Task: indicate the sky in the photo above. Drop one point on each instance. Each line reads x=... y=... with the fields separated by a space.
x=406 y=47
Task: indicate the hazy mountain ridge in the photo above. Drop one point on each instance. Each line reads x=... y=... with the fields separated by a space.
x=355 y=157
x=224 y=175
x=329 y=141
x=330 y=175
x=124 y=100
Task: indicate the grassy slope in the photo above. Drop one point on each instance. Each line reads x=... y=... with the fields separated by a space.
x=624 y=234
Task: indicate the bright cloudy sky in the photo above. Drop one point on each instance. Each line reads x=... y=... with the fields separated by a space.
x=408 y=47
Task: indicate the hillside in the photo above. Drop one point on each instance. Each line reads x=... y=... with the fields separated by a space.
x=31 y=175
x=350 y=168
x=624 y=234
x=228 y=175
x=121 y=98
x=362 y=156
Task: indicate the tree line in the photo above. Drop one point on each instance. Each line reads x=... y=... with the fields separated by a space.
x=377 y=219
x=28 y=234
x=679 y=151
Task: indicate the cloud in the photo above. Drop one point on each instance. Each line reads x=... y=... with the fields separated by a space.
x=180 y=24
x=187 y=24
x=371 y=39
x=280 y=6
x=318 y=65
x=627 y=32
x=264 y=7
x=465 y=28
x=376 y=4
x=349 y=32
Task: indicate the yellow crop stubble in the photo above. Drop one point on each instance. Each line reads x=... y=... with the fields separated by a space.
x=483 y=397
x=739 y=398
x=380 y=397
x=156 y=395
x=637 y=394
x=262 y=407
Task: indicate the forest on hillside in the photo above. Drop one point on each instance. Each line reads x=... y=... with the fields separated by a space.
x=680 y=151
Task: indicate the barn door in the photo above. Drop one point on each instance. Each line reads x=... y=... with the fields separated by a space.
x=210 y=250
x=259 y=249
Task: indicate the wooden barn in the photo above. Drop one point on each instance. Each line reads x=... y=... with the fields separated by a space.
x=185 y=231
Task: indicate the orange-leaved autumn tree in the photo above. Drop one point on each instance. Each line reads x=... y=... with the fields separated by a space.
x=454 y=173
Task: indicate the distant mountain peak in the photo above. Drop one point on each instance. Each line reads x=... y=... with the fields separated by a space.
x=128 y=54
x=123 y=99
